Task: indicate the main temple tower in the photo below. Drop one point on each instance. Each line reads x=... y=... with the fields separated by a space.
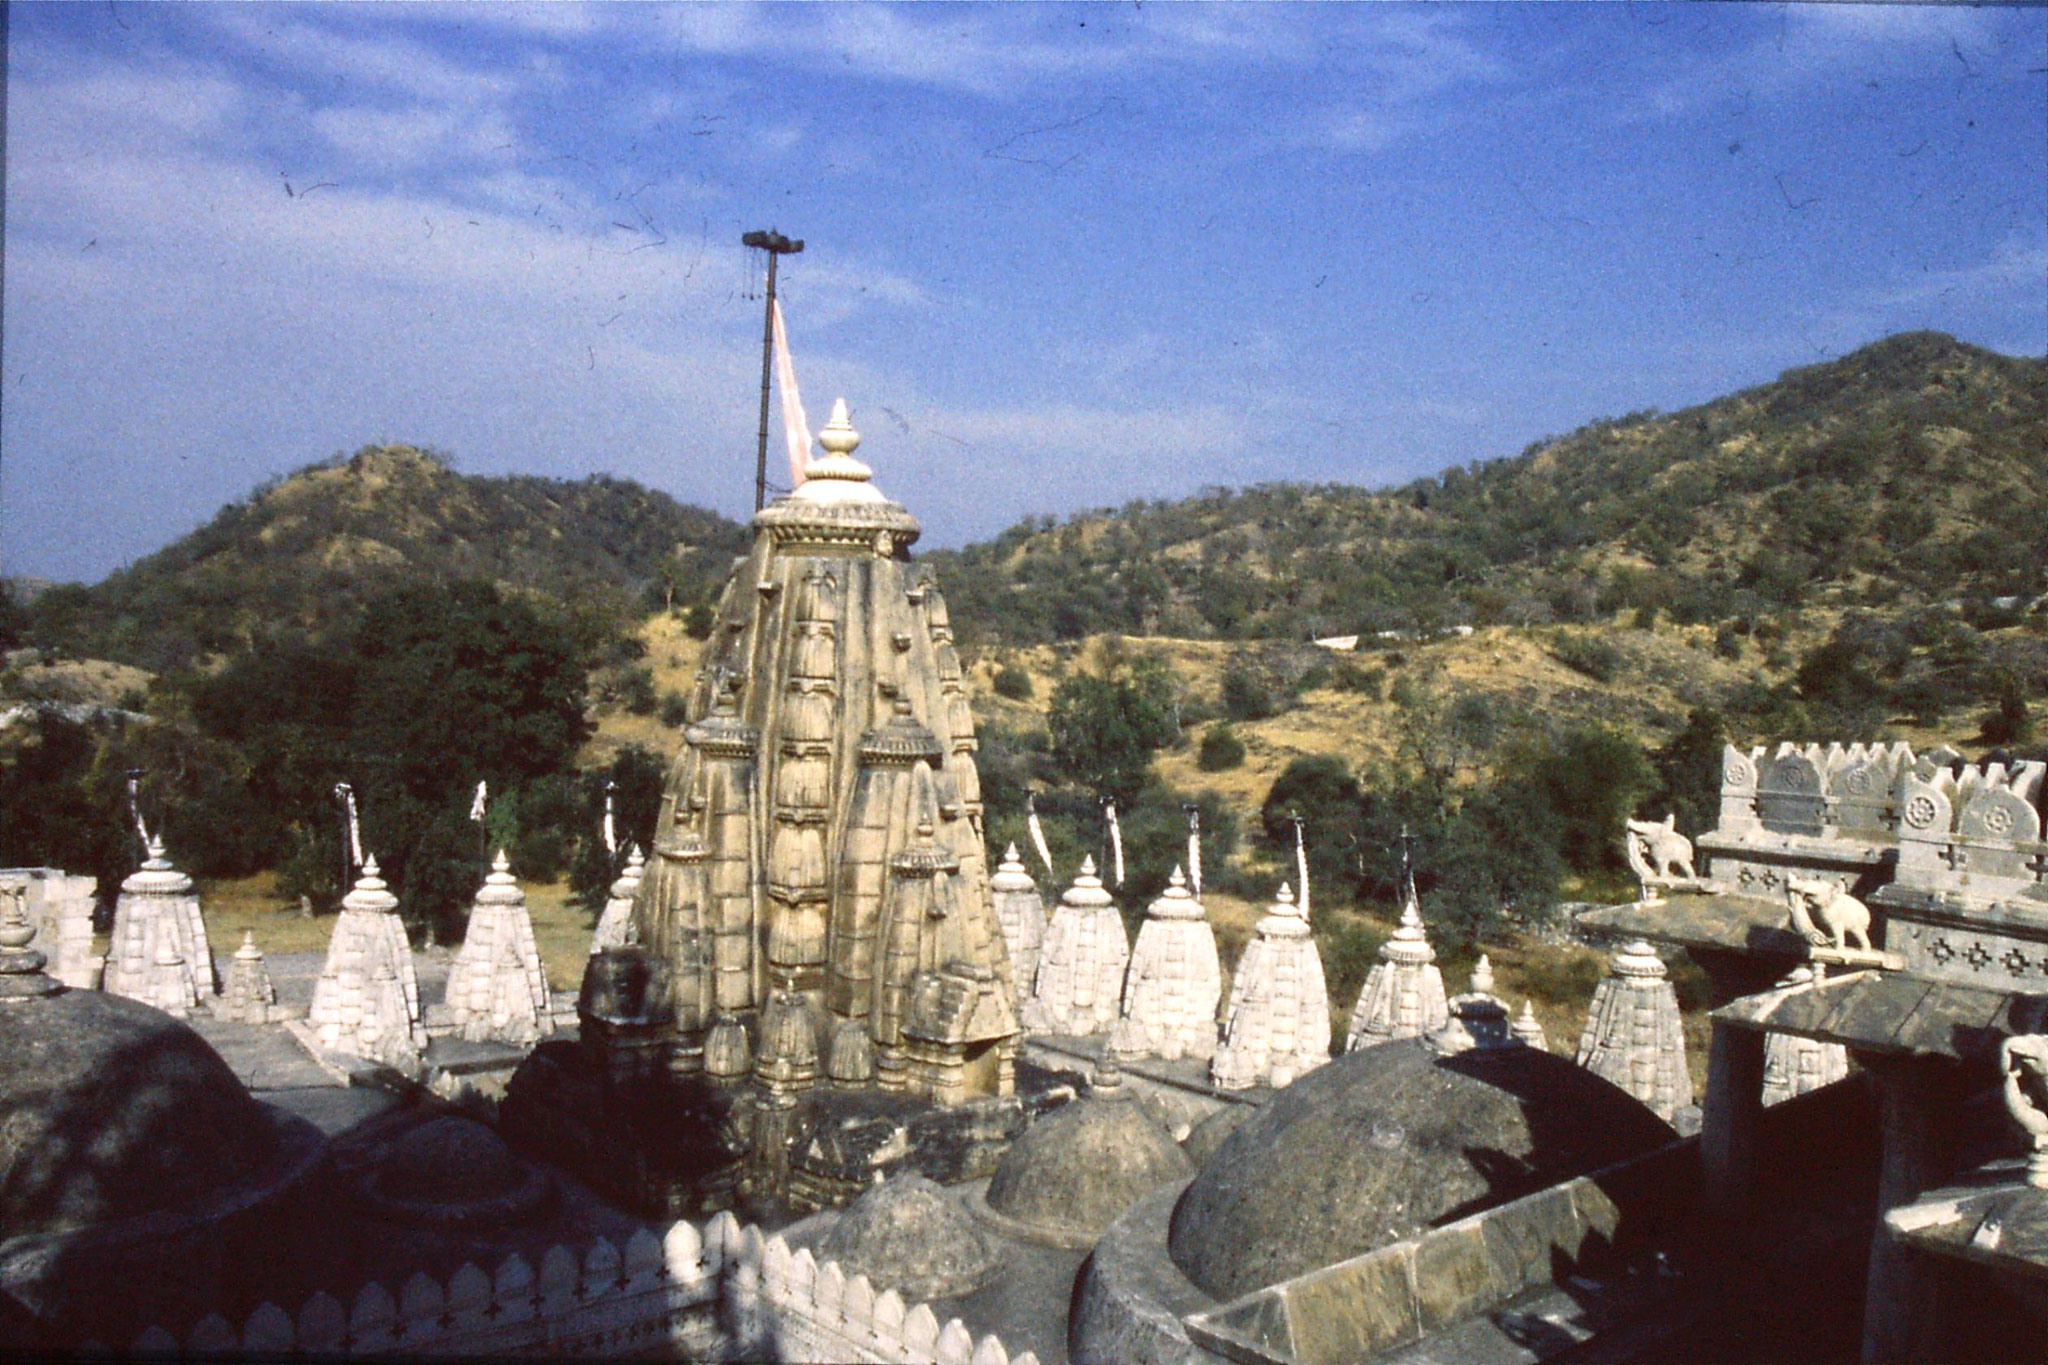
x=818 y=881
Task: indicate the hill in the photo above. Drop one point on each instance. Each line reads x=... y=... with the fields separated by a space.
x=1908 y=471
x=307 y=550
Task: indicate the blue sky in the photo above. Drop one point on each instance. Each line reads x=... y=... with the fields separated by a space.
x=1059 y=257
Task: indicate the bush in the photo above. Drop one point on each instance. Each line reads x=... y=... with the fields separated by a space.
x=2009 y=721
x=1247 y=695
x=1348 y=951
x=636 y=690
x=1221 y=749
x=675 y=709
x=1596 y=659
x=1322 y=791
x=1013 y=682
x=1370 y=683
x=698 y=619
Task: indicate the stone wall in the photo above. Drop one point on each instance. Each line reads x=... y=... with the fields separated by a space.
x=722 y=1292
x=60 y=906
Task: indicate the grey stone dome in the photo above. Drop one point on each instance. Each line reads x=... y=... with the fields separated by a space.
x=1075 y=1171
x=110 y=1110
x=906 y=1234
x=454 y=1171
x=1205 y=1137
x=1384 y=1142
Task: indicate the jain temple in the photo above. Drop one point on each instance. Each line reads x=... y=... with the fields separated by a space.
x=842 y=1082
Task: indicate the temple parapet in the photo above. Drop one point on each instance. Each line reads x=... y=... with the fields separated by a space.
x=1806 y=810
x=1970 y=900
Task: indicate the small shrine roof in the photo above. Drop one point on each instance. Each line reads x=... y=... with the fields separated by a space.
x=1890 y=1012
x=1741 y=924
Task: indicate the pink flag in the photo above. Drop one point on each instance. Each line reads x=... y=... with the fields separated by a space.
x=794 y=428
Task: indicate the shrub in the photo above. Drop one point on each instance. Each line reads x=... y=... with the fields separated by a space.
x=1370 y=683
x=2009 y=721
x=1013 y=682
x=636 y=690
x=1221 y=749
x=698 y=618
x=1597 y=659
x=675 y=708
x=1246 y=695
x=1322 y=791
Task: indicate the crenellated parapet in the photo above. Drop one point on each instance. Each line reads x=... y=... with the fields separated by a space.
x=1806 y=810
x=1970 y=898
x=720 y=1291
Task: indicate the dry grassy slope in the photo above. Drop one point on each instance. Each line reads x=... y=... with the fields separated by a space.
x=94 y=682
x=1666 y=673
x=672 y=657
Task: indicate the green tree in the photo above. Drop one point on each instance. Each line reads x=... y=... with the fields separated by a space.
x=1013 y=682
x=1221 y=749
x=1104 y=730
x=1688 y=769
x=1321 y=789
x=1592 y=780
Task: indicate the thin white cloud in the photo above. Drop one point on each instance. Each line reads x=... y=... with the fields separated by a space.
x=1812 y=44
x=2010 y=274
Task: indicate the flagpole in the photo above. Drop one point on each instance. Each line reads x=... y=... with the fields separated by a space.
x=776 y=245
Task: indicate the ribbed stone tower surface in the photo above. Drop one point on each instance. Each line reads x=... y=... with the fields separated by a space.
x=1174 y=981
x=1079 y=987
x=1634 y=1036
x=1795 y=1065
x=829 y=724
x=615 y=925
x=1404 y=995
x=248 y=997
x=1021 y=912
x=369 y=976
x=1278 y=1023
x=158 y=910
x=497 y=991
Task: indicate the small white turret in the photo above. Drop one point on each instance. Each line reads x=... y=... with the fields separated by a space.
x=1404 y=995
x=1173 y=983
x=1081 y=963
x=1277 y=1027
x=497 y=991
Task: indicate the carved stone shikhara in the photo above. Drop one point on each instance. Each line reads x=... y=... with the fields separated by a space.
x=1021 y=911
x=817 y=868
x=159 y=953
x=367 y=1000
x=1634 y=1036
x=1403 y=996
x=1278 y=1024
x=1173 y=983
x=1081 y=963
x=497 y=991
x=615 y=924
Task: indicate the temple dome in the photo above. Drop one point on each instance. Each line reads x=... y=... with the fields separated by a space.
x=906 y=1234
x=110 y=1109
x=1384 y=1142
x=452 y=1170
x=1075 y=1171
